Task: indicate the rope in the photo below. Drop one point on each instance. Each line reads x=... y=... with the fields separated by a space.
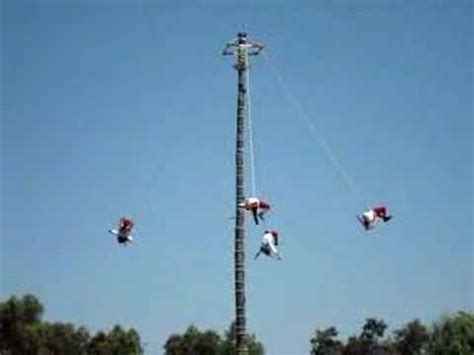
x=315 y=132
x=253 y=185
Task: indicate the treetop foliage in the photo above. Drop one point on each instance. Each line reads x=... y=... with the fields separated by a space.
x=23 y=332
x=208 y=342
x=452 y=335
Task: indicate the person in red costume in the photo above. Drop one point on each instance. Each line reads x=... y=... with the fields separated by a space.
x=124 y=232
x=371 y=216
x=258 y=208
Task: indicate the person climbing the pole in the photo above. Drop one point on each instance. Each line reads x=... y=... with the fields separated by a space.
x=371 y=216
x=269 y=244
x=124 y=232
x=258 y=208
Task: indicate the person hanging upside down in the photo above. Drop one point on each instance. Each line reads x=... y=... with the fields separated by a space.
x=124 y=233
x=371 y=216
x=269 y=244
x=257 y=207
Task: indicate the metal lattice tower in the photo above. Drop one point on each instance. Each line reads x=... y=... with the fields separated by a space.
x=242 y=47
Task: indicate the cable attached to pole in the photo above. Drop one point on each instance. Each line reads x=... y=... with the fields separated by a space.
x=253 y=183
x=315 y=132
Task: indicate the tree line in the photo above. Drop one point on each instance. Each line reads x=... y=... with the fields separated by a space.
x=451 y=335
x=24 y=332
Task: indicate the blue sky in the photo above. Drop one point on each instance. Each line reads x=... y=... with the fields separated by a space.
x=112 y=108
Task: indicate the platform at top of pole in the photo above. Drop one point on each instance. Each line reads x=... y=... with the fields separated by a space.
x=242 y=46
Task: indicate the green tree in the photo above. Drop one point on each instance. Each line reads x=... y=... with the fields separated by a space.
x=324 y=342
x=373 y=330
x=117 y=342
x=98 y=345
x=412 y=339
x=208 y=342
x=369 y=342
x=453 y=335
x=19 y=320
x=229 y=345
x=194 y=342
x=60 y=338
x=174 y=345
x=22 y=332
x=354 y=346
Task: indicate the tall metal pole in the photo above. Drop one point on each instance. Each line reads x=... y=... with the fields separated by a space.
x=242 y=47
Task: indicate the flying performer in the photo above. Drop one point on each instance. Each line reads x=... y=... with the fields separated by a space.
x=371 y=216
x=124 y=232
x=258 y=208
x=269 y=244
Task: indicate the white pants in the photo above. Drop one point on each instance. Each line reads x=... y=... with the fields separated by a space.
x=269 y=241
x=369 y=216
